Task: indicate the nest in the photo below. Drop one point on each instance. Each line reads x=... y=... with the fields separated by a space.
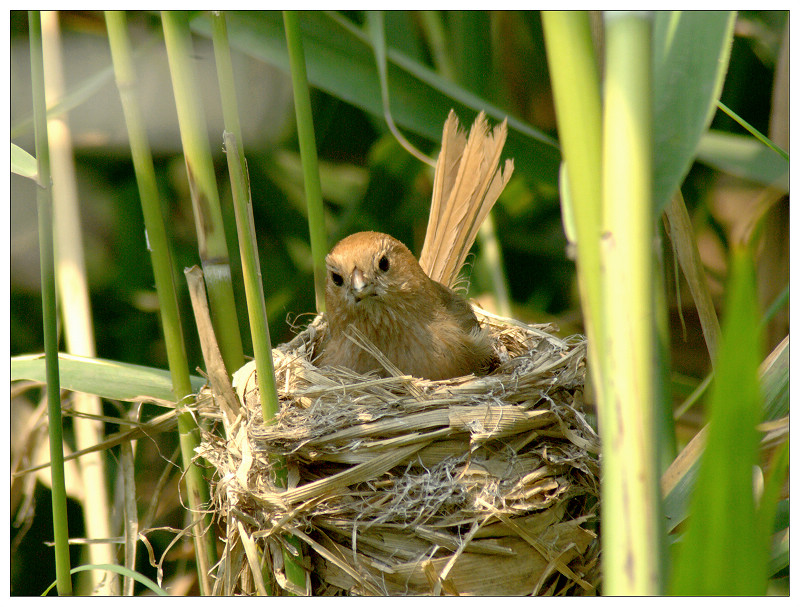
x=405 y=486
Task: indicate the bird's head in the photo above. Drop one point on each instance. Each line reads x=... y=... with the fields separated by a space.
x=369 y=273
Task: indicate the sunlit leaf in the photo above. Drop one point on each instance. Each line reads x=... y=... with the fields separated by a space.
x=775 y=388
x=104 y=378
x=22 y=163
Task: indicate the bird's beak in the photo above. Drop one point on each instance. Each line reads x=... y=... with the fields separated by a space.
x=359 y=285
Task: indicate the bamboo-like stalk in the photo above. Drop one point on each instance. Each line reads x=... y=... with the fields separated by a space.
x=308 y=153
x=227 y=86
x=75 y=307
x=243 y=209
x=251 y=268
x=165 y=286
x=259 y=328
x=631 y=504
x=211 y=241
x=576 y=90
x=45 y=215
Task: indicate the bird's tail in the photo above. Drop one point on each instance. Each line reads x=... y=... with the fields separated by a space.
x=466 y=184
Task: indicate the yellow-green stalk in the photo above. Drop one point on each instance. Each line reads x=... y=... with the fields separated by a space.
x=576 y=91
x=631 y=501
x=227 y=86
x=211 y=241
x=262 y=349
x=75 y=309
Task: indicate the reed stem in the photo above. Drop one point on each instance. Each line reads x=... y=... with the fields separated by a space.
x=212 y=245
x=161 y=258
x=44 y=205
x=308 y=153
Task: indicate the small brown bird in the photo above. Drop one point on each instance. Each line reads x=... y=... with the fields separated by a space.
x=425 y=329
x=376 y=288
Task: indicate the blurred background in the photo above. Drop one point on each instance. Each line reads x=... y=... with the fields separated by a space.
x=369 y=182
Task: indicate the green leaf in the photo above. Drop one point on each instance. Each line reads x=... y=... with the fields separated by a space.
x=775 y=388
x=690 y=58
x=104 y=378
x=743 y=156
x=23 y=163
x=341 y=62
x=121 y=571
x=723 y=552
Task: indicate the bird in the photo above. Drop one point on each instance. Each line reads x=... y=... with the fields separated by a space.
x=375 y=284
x=377 y=293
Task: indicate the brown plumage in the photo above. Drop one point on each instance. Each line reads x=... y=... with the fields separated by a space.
x=375 y=284
x=376 y=289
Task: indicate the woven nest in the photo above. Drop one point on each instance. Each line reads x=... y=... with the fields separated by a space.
x=405 y=486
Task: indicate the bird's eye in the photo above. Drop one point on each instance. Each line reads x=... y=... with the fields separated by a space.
x=383 y=264
x=337 y=279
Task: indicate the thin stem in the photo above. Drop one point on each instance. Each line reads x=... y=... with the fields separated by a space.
x=251 y=269
x=753 y=131
x=576 y=90
x=308 y=153
x=375 y=22
x=433 y=27
x=45 y=214
x=164 y=278
x=227 y=85
x=254 y=290
x=76 y=311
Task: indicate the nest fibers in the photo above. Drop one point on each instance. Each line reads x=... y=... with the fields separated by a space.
x=405 y=486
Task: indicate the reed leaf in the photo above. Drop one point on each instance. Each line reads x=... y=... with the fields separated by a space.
x=722 y=552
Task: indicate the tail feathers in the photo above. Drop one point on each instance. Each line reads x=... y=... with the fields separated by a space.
x=467 y=183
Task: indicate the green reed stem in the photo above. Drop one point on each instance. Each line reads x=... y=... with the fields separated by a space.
x=44 y=204
x=161 y=258
x=576 y=90
x=211 y=241
x=308 y=153
x=251 y=268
